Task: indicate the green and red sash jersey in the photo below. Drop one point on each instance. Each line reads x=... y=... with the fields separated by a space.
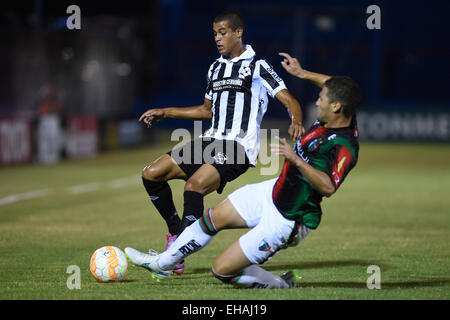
x=333 y=151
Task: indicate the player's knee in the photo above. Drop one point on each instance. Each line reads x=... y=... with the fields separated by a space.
x=154 y=172
x=193 y=184
x=160 y=169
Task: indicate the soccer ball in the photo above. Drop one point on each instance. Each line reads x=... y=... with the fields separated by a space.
x=109 y=264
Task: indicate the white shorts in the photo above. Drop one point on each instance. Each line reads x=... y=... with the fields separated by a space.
x=270 y=230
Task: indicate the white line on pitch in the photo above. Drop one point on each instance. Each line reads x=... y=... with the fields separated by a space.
x=84 y=188
x=25 y=196
x=74 y=190
x=119 y=183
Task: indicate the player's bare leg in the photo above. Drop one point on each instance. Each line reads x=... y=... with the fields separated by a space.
x=205 y=180
x=233 y=267
x=231 y=261
x=225 y=216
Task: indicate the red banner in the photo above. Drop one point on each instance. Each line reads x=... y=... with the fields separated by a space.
x=15 y=141
x=82 y=136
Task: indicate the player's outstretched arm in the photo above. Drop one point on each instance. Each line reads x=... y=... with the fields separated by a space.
x=296 y=128
x=292 y=66
x=201 y=112
x=320 y=180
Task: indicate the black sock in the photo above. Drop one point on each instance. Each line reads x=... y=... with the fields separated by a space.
x=161 y=196
x=193 y=208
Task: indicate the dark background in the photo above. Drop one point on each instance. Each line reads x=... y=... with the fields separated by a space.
x=133 y=55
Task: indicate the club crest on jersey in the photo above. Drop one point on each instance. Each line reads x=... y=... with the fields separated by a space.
x=313 y=145
x=220 y=158
x=245 y=72
x=264 y=246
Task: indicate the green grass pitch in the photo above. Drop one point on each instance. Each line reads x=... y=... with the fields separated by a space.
x=393 y=211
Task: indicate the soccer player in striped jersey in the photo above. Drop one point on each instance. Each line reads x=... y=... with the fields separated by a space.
x=281 y=211
x=238 y=86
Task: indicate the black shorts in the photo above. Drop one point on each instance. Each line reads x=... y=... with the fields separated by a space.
x=227 y=156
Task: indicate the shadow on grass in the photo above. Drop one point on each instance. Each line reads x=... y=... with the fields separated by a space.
x=115 y=283
x=384 y=284
x=327 y=264
x=313 y=265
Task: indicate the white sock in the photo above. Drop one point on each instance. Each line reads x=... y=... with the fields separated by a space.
x=256 y=277
x=192 y=239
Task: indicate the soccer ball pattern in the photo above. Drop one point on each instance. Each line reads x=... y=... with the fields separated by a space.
x=109 y=264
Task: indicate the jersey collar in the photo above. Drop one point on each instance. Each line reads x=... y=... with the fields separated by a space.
x=247 y=54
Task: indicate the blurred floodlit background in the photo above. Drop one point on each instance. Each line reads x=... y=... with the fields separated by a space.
x=75 y=93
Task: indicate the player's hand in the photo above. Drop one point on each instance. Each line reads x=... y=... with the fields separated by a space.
x=152 y=116
x=292 y=66
x=284 y=149
x=296 y=130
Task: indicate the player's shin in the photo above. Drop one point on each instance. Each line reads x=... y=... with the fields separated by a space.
x=192 y=239
x=161 y=196
x=193 y=208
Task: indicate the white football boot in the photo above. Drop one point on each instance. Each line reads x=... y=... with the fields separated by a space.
x=148 y=261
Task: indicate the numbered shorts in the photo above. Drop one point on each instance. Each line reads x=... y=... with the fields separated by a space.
x=270 y=231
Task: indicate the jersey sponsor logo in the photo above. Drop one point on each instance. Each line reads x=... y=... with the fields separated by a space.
x=274 y=74
x=301 y=153
x=236 y=82
x=264 y=246
x=228 y=84
x=189 y=247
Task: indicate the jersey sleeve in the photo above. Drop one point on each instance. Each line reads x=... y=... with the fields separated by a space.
x=208 y=93
x=340 y=162
x=270 y=79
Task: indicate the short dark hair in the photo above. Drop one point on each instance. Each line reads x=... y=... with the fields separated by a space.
x=234 y=19
x=344 y=90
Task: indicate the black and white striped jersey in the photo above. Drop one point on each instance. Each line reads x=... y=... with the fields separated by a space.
x=238 y=89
